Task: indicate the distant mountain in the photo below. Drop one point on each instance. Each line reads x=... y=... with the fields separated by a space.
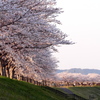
x=60 y=70
x=79 y=70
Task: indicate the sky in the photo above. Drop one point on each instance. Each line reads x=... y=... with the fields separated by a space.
x=81 y=22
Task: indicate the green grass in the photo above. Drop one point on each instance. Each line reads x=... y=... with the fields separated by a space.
x=85 y=92
x=18 y=90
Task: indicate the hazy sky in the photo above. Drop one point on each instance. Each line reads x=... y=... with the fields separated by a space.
x=81 y=21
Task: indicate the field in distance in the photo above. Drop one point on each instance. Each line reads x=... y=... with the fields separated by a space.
x=86 y=92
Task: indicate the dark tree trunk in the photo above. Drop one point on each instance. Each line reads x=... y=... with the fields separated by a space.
x=7 y=72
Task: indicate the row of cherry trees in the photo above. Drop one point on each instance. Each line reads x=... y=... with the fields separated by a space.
x=28 y=36
x=72 y=77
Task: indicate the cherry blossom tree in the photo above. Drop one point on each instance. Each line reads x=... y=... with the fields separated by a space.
x=71 y=77
x=28 y=36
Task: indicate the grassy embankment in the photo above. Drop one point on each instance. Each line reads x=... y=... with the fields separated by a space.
x=18 y=90
x=85 y=92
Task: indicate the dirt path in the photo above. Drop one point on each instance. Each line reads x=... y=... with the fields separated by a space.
x=67 y=91
x=72 y=94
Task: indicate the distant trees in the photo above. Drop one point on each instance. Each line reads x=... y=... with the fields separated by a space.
x=28 y=35
x=78 y=77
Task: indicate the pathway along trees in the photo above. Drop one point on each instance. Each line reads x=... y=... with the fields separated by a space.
x=28 y=34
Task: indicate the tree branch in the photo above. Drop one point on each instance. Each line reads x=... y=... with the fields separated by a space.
x=19 y=17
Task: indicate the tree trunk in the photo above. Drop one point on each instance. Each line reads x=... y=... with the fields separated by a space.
x=1 y=69
x=7 y=72
x=4 y=71
x=18 y=77
x=11 y=70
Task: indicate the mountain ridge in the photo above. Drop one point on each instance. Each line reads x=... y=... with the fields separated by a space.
x=79 y=70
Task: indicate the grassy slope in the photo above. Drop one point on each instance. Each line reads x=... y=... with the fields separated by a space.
x=18 y=90
x=86 y=91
